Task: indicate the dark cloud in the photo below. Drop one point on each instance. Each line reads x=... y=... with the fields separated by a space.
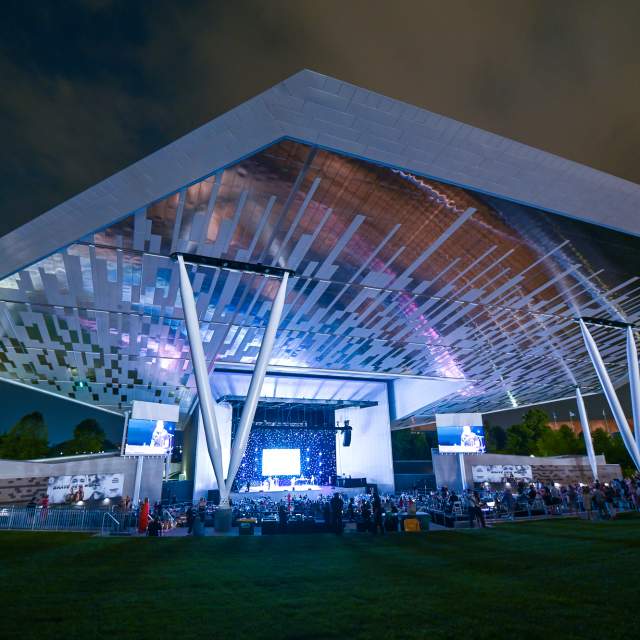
x=90 y=87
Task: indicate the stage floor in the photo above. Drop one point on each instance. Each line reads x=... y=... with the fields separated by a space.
x=289 y=487
x=311 y=491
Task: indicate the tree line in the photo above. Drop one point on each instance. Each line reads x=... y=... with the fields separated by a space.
x=29 y=439
x=532 y=436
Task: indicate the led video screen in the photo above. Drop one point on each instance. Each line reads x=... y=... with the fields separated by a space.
x=149 y=437
x=460 y=433
x=281 y=462
x=466 y=439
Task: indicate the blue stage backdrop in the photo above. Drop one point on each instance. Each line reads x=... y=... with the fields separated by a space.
x=290 y=427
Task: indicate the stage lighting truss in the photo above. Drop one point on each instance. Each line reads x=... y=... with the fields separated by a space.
x=605 y=322
x=267 y=271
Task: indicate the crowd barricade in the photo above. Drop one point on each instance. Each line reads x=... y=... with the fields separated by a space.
x=51 y=519
x=430 y=508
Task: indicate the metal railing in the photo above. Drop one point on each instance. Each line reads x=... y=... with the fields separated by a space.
x=51 y=519
x=166 y=514
x=521 y=508
x=109 y=523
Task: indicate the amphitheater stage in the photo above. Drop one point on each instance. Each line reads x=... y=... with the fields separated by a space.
x=312 y=493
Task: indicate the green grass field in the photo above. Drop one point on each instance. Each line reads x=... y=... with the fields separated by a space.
x=544 y=580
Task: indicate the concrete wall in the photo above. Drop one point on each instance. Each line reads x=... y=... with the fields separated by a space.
x=204 y=479
x=369 y=454
x=189 y=444
x=448 y=471
x=570 y=469
x=411 y=394
x=150 y=487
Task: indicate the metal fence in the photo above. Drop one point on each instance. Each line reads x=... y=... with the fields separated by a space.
x=53 y=519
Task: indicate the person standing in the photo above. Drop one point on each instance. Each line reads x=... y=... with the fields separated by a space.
x=143 y=516
x=155 y=528
x=475 y=510
x=365 y=512
x=598 y=500
x=572 y=499
x=507 y=502
x=351 y=509
x=609 y=499
x=191 y=516
x=377 y=513
x=45 y=507
x=326 y=512
x=202 y=509
x=336 y=513
x=283 y=516
x=587 y=501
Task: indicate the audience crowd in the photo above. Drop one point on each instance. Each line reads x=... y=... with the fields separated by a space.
x=380 y=513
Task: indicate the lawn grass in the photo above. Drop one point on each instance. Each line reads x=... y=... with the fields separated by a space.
x=543 y=580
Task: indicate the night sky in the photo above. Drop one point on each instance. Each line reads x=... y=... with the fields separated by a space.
x=60 y=415
x=90 y=87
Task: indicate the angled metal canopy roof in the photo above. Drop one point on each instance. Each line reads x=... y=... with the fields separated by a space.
x=423 y=247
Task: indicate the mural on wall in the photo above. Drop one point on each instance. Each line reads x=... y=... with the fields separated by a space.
x=501 y=472
x=88 y=489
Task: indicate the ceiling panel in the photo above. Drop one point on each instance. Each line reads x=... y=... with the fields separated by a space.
x=395 y=274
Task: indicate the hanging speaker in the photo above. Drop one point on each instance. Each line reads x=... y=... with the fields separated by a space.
x=346 y=437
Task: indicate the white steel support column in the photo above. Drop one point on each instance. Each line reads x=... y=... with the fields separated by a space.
x=249 y=409
x=610 y=394
x=586 y=433
x=199 y=364
x=634 y=381
x=138 y=480
x=463 y=473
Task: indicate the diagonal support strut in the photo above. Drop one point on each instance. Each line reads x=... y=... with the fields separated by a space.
x=212 y=434
x=255 y=386
x=610 y=394
x=634 y=381
x=586 y=434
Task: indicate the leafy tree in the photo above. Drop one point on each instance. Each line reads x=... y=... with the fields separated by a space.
x=568 y=442
x=612 y=446
x=537 y=421
x=601 y=442
x=520 y=440
x=27 y=439
x=88 y=437
x=412 y=445
x=560 y=442
x=495 y=439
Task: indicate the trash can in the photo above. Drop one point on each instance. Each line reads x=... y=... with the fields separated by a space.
x=411 y=524
x=198 y=528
